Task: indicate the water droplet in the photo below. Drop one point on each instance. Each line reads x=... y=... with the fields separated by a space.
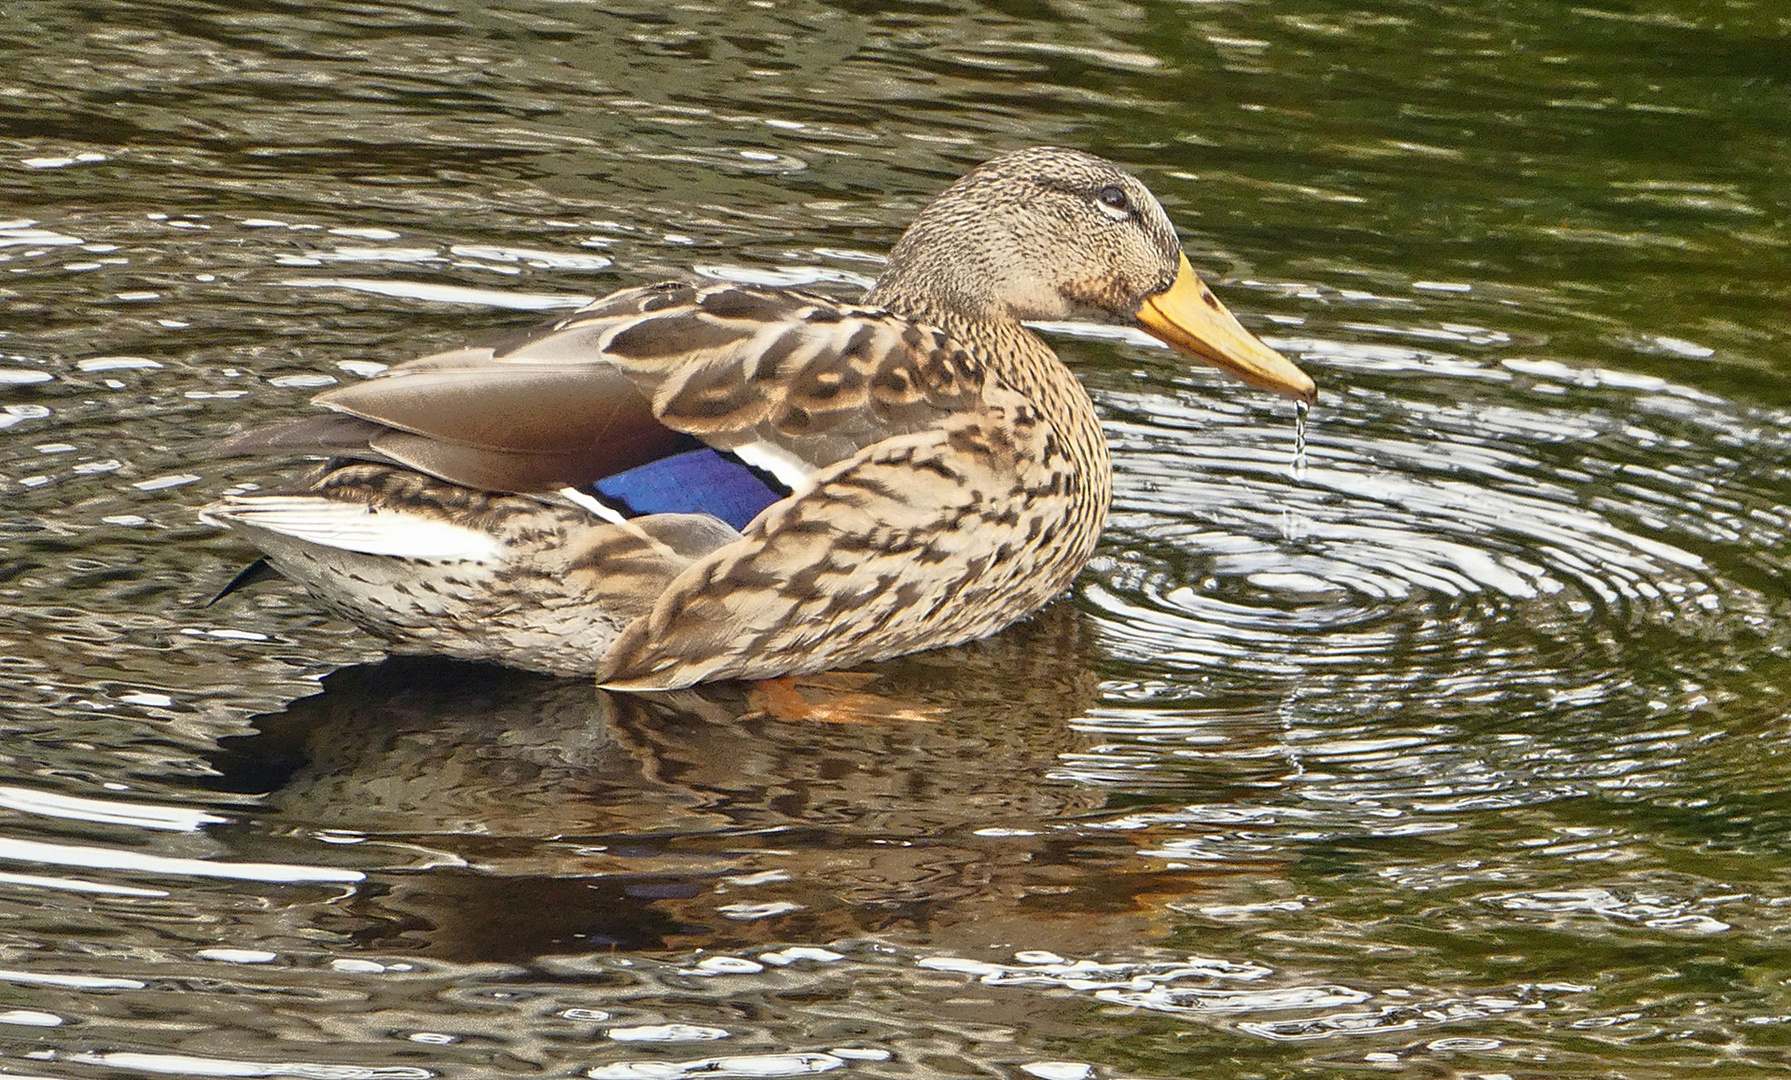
x=1298 y=467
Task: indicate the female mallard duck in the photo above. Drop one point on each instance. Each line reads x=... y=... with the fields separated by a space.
x=679 y=484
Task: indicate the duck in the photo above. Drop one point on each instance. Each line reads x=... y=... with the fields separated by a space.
x=684 y=483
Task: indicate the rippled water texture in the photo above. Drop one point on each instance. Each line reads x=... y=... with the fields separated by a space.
x=1456 y=750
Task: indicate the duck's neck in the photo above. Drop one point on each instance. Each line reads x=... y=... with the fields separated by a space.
x=958 y=258
x=940 y=298
x=940 y=311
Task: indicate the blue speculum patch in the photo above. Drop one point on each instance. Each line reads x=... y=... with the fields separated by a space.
x=704 y=481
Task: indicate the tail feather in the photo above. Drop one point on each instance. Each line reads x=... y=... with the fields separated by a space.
x=253 y=574
x=347 y=526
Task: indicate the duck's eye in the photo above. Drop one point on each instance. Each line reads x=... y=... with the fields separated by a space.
x=1113 y=200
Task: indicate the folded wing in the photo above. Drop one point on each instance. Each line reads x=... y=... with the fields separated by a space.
x=788 y=382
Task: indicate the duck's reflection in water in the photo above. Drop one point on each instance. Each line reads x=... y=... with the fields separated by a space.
x=527 y=816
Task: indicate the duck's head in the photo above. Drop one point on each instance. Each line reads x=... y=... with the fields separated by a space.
x=1051 y=234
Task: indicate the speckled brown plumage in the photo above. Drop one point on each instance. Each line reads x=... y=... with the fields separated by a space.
x=947 y=472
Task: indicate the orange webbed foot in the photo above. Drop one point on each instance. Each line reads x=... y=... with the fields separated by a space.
x=833 y=697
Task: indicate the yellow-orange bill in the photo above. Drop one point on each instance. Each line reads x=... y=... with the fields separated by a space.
x=1189 y=318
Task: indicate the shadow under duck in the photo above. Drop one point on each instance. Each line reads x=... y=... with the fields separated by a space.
x=681 y=483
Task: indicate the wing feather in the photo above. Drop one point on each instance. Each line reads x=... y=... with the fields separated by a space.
x=776 y=375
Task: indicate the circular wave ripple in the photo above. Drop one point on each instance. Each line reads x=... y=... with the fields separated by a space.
x=1522 y=529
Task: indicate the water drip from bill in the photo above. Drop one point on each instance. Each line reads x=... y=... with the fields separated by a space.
x=1297 y=468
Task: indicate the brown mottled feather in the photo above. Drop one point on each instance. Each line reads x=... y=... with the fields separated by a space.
x=955 y=474
x=615 y=384
x=950 y=532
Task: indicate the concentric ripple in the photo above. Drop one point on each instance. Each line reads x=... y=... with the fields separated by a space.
x=1458 y=529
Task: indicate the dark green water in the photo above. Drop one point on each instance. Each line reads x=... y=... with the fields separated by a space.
x=1462 y=753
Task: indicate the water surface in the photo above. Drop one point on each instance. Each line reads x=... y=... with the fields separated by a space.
x=1459 y=751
